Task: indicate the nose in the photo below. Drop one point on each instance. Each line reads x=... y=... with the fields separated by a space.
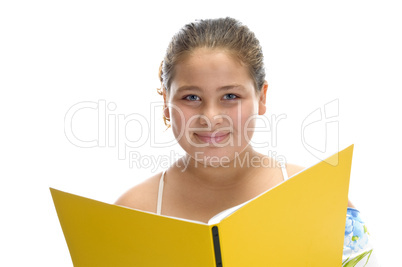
x=211 y=116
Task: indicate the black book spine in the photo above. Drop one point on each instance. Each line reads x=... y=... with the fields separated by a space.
x=217 y=246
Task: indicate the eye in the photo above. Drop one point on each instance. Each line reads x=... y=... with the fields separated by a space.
x=230 y=96
x=192 y=98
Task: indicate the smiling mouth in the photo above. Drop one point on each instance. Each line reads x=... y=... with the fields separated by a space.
x=212 y=138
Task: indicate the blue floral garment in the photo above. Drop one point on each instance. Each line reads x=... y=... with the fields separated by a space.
x=357 y=249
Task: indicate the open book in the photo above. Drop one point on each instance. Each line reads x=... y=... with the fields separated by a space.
x=300 y=222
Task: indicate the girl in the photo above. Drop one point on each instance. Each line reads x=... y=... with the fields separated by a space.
x=213 y=86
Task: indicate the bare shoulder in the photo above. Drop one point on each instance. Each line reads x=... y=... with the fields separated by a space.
x=293 y=169
x=142 y=196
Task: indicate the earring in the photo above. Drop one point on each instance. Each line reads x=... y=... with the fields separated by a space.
x=166 y=120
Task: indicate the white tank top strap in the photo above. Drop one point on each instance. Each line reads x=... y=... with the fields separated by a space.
x=162 y=182
x=160 y=194
x=284 y=171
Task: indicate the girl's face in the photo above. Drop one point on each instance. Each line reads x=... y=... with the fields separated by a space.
x=212 y=104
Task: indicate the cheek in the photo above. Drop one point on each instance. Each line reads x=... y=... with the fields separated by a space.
x=248 y=120
x=247 y=114
x=177 y=121
x=181 y=119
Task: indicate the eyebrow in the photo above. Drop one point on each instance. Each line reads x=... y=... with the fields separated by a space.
x=223 y=88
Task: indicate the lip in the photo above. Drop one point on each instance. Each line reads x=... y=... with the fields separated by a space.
x=212 y=138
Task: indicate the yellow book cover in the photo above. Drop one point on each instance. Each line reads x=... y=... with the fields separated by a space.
x=300 y=222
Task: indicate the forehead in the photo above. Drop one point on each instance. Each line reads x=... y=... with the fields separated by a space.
x=210 y=68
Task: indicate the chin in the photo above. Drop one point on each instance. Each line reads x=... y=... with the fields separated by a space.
x=215 y=156
x=205 y=151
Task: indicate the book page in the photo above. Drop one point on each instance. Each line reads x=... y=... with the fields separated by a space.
x=300 y=222
x=100 y=234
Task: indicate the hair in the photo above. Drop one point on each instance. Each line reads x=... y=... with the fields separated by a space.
x=224 y=33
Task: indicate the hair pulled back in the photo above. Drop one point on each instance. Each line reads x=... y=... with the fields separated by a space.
x=224 y=33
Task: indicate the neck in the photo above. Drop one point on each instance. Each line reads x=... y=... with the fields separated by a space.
x=222 y=175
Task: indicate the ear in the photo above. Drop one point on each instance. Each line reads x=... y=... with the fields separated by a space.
x=262 y=108
x=165 y=106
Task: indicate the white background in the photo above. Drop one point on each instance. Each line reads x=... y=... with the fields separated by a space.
x=55 y=54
